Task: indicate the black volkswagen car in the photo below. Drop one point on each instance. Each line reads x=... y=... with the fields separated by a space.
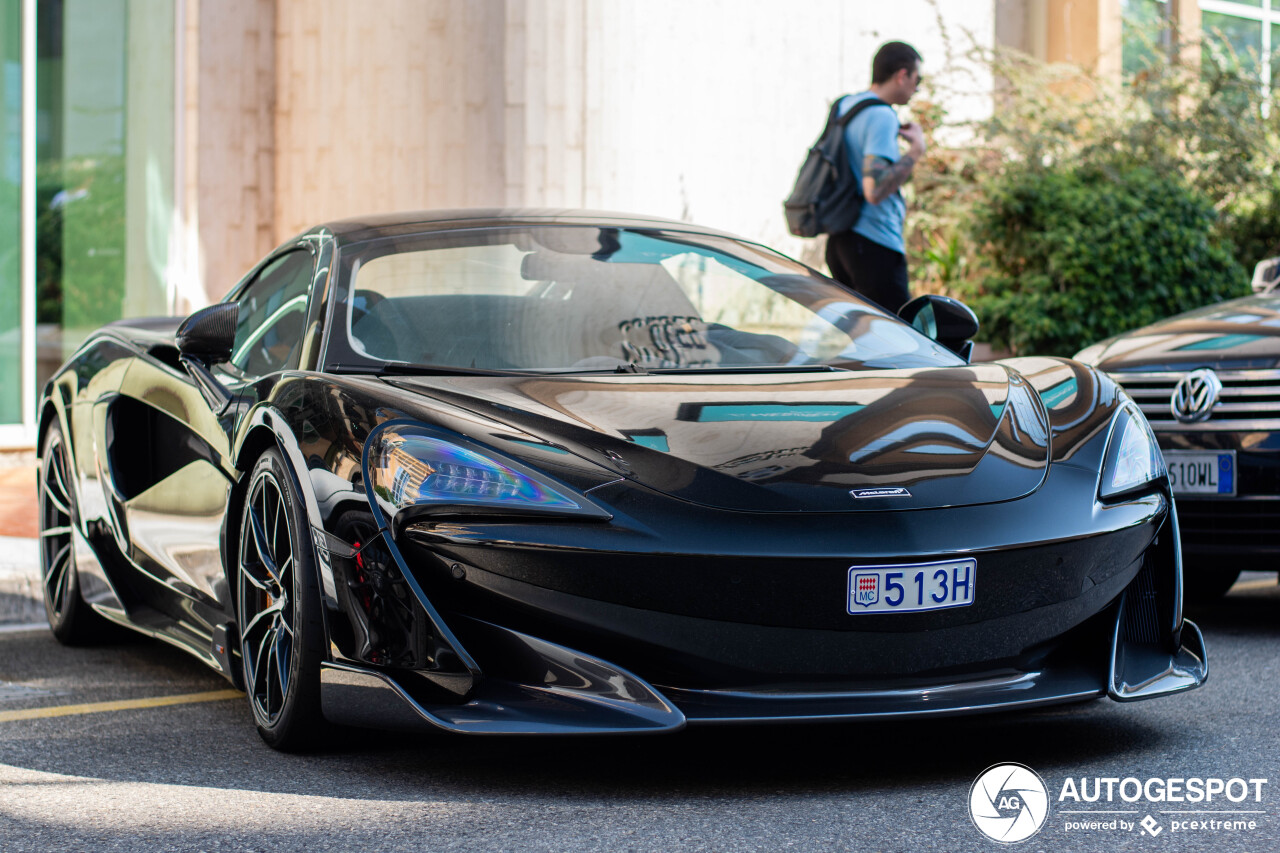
x=569 y=473
x=1209 y=383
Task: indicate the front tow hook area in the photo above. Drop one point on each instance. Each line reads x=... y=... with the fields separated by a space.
x=535 y=687
x=1144 y=671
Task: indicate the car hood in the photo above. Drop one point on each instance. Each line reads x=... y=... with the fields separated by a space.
x=1242 y=334
x=829 y=442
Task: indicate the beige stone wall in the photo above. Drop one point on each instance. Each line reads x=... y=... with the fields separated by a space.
x=230 y=151
x=1085 y=33
x=316 y=109
x=1186 y=17
x=703 y=110
x=545 y=76
x=690 y=110
x=388 y=106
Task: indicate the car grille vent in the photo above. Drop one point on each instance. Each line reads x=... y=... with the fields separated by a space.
x=1259 y=474
x=1141 y=614
x=1224 y=526
x=1250 y=400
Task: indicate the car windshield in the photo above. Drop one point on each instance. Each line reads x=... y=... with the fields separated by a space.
x=558 y=298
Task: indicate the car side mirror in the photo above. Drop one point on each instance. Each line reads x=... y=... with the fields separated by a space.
x=209 y=334
x=204 y=339
x=948 y=321
x=1266 y=275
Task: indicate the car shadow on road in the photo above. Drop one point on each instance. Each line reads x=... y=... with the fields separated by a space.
x=848 y=757
x=214 y=745
x=1251 y=608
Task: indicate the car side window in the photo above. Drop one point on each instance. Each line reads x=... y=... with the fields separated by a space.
x=273 y=313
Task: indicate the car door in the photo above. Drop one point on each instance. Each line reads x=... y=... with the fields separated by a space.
x=175 y=495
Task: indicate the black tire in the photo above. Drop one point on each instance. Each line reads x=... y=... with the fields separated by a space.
x=1203 y=585
x=278 y=609
x=72 y=620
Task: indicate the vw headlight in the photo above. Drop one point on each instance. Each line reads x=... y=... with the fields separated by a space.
x=418 y=470
x=1133 y=458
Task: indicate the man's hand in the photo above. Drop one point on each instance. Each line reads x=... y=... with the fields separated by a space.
x=914 y=134
x=880 y=178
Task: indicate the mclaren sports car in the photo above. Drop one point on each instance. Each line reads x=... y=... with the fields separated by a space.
x=521 y=472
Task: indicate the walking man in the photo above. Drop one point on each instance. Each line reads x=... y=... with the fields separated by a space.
x=871 y=258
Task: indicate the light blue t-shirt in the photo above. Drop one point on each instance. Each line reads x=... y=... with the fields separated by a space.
x=875 y=131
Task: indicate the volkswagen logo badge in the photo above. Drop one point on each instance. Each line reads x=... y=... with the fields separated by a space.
x=1195 y=396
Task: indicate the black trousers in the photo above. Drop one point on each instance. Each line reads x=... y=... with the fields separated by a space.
x=874 y=271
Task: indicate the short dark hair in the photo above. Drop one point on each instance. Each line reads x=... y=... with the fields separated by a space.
x=892 y=58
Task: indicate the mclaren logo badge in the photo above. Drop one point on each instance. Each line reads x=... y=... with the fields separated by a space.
x=886 y=492
x=1195 y=396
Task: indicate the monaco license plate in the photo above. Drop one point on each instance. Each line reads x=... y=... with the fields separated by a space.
x=1201 y=472
x=911 y=588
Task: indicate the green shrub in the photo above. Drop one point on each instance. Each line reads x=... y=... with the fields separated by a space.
x=1078 y=253
x=1083 y=205
x=1253 y=224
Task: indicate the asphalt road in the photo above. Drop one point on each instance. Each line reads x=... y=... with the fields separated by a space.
x=194 y=776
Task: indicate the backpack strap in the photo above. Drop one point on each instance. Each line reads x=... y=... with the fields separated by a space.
x=857 y=108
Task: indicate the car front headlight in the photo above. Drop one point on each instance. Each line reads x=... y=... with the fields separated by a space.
x=415 y=470
x=1133 y=457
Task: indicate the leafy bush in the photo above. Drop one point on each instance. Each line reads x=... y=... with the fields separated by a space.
x=80 y=241
x=1081 y=206
x=1082 y=252
x=1252 y=223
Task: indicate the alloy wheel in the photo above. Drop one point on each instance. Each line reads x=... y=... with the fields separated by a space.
x=57 y=554
x=266 y=600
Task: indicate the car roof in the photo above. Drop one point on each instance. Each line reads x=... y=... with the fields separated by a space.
x=361 y=228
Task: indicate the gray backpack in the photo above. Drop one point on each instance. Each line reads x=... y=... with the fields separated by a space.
x=826 y=199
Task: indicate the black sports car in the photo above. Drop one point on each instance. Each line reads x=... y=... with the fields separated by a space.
x=547 y=472
x=1209 y=384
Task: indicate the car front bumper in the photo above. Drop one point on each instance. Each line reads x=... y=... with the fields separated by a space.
x=557 y=649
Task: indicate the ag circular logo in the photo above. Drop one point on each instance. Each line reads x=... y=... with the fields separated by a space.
x=1008 y=803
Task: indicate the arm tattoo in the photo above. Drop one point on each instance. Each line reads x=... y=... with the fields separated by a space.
x=886 y=177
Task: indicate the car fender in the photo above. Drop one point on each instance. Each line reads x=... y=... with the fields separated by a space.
x=1080 y=401
x=262 y=426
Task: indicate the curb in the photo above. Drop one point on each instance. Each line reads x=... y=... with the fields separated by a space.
x=21 y=599
x=18 y=501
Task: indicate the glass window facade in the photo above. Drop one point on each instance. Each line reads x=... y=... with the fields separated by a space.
x=105 y=167
x=11 y=331
x=1238 y=34
x=1275 y=56
x=1232 y=39
x=1142 y=24
x=1247 y=29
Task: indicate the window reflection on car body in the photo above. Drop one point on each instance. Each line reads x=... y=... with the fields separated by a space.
x=406 y=368
x=393 y=368
x=752 y=368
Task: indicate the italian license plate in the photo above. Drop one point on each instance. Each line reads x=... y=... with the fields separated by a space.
x=1201 y=472
x=911 y=588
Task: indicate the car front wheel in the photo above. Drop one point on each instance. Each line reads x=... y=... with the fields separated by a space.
x=278 y=609
x=71 y=619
